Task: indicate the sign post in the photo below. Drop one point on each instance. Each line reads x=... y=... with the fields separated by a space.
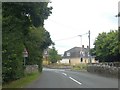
x=25 y=54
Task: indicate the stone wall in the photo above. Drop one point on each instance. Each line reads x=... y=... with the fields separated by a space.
x=31 y=68
x=107 y=69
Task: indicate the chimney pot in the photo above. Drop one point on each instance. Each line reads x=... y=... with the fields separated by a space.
x=82 y=46
x=87 y=46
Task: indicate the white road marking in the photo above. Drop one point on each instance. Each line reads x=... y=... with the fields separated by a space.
x=75 y=80
x=64 y=74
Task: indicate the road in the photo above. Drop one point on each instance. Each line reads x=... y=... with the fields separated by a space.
x=60 y=78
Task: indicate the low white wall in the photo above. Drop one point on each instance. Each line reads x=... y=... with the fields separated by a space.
x=65 y=61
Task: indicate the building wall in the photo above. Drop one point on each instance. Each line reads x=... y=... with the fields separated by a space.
x=45 y=62
x=86 y=60
x=64 y=61
x=75 y=61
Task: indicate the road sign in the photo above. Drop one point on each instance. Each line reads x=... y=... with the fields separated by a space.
x=25 y=53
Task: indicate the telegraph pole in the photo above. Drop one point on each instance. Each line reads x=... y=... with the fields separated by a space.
x=80 y=45
x=89 y=46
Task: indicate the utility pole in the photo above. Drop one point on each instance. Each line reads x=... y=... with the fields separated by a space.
x=89 y=46
x=81 y=46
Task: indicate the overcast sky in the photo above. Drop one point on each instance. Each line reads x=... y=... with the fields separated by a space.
x=71 y=18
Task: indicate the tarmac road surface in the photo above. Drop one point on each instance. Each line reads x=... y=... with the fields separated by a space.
x=61 y=78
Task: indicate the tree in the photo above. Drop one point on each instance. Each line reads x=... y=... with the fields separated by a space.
x=38 y=39
x=106 y=47
x=23 y=27
x=53 y=55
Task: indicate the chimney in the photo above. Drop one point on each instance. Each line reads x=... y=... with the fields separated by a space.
x=87 y=47
x=82 y=46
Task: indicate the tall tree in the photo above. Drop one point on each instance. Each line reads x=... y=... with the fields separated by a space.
x=38 y=39
x=106 y=46
x=17 y=21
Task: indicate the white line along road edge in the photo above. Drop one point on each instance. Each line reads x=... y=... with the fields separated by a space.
x=75 y=80
x=64 y=74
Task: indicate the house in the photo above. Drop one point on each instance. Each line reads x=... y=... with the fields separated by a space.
x=65 y=61
x=46 y=57
x=77 y=55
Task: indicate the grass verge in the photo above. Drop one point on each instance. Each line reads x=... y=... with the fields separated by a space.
x=80 y=67
x=23 y=81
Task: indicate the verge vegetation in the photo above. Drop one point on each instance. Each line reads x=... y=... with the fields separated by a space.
x=22 y=82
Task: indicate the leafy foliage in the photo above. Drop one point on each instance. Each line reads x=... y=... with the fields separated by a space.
x=53 y=55
x=12 y=46
x=38 y=39
x=106 y=47
x=22 y=25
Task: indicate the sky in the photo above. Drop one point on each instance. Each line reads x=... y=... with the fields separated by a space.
x=71 y=18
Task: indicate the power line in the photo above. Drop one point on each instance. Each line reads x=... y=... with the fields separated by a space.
x=70 y=37
x=66 y=38
x=62 y=25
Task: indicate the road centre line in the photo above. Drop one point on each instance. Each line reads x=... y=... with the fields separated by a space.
x=75 y=80
x=64 y=74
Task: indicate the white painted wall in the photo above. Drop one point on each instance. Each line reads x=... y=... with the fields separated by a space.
x=65 y=61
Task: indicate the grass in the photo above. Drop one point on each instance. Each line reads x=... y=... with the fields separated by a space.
x=80 y=67
x=58 y=66
x=20 y=83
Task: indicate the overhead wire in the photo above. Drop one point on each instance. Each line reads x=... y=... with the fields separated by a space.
x=65 y=38
x=70 y=37
x=66 y=27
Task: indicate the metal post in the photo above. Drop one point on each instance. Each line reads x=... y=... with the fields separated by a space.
x=24 y=61
x=89 y=46
x=25 y=54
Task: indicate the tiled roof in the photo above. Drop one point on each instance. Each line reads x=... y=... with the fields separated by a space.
x=75 y=52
